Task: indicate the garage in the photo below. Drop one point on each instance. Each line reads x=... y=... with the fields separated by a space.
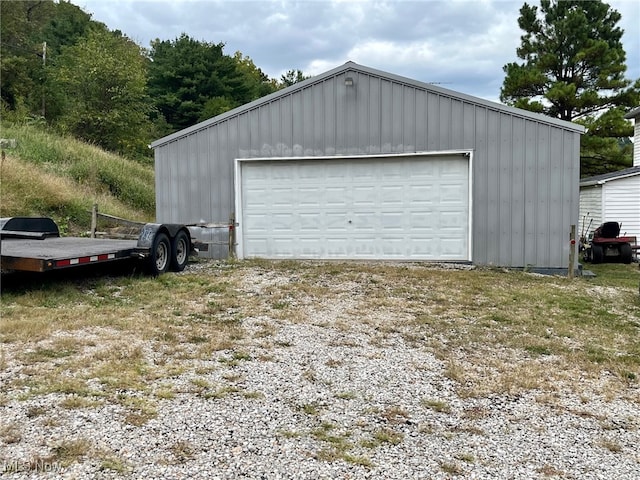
x=357 y=163
x=394 y=207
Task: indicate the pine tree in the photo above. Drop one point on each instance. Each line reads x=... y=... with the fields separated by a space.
x=574 y=69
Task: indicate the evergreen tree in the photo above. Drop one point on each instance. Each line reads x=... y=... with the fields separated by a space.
x=573 y=69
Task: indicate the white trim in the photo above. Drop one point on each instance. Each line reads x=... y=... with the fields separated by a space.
x=238 y=184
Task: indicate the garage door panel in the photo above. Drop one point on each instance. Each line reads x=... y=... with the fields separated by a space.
x=384 y=208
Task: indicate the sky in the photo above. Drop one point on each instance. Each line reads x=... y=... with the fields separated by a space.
x=460 y=45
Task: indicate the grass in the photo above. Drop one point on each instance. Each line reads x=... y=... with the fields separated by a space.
x=122 y=340
x=61 y=177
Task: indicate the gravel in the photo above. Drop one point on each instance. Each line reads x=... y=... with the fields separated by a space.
x=318 y=400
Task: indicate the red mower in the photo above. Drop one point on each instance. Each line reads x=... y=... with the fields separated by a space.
x=607 y=246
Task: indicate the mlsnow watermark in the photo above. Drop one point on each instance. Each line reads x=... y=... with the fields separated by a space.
x=39 y=466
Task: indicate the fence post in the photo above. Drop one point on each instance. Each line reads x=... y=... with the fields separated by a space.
x=572 y=251
x=232 y=235
x=94 y=220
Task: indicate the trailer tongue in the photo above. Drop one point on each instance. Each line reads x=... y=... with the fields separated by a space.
x=34 y=245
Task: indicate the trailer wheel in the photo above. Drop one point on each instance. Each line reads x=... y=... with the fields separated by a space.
x=160 y=254
x=626 y=253
x=180 y=251
x=597 y=254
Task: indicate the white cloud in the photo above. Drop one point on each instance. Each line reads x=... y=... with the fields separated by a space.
x=461 y=43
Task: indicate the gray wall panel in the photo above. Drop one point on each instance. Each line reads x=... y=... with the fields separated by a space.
x=518 y=185
x=525 y=172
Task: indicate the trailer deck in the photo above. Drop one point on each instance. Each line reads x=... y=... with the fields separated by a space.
x=53 y=253
x=34 y=245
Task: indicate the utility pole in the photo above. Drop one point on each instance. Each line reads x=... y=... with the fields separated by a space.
x=44 y=64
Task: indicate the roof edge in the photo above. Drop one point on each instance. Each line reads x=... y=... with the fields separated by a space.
x=607 y=177
x=633 y=114
x=354 y=67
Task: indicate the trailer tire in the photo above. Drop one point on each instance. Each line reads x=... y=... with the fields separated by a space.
x=160 y=256
x=626 y=253
x=597 y=254
x=180 y=247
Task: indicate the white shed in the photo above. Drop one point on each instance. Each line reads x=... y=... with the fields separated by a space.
x=614 y=197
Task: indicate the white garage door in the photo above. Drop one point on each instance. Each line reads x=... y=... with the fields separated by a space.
x=399 y=208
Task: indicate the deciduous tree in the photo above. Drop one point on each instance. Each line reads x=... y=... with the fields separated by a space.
x=103 y=79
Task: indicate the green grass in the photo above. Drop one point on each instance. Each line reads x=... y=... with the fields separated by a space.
x=51 y=175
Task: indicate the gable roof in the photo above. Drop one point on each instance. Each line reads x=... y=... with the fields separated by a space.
x=352 y=67
x=607 y=177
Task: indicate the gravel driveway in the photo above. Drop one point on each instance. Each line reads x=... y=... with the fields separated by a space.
x=327 y=395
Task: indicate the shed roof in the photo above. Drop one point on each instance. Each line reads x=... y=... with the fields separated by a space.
x=352 y=67
x=635 y=113
x=607 y=177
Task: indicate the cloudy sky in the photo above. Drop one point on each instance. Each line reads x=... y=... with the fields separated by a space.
x=460 y=44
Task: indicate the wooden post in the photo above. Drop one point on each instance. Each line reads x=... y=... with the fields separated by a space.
x=572 y=251
x=232 y=235
x=94 y=220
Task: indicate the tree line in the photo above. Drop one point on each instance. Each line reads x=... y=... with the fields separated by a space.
x=61 y=68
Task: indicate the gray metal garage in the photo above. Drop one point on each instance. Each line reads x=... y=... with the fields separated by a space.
x=357 y=163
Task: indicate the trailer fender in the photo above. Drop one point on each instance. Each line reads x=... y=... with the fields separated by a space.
x=179 y=238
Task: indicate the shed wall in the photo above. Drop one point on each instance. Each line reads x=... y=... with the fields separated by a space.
x=525 y=172
x=622 y=204
x=636 y=143
x=590 y=209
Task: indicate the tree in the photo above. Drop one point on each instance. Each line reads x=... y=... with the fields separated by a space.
x=21 y=41
x=190 y=81
x=260 y=83
x=573 y=69
x=103 y=79
x=291 y=77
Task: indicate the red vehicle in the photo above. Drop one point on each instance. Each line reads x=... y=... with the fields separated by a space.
x=607 y=246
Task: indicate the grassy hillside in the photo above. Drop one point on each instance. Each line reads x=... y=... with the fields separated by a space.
x=51 y=175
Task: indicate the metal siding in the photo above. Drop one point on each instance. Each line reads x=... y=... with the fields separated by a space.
x=524 y=172
x=558 y=225
x=162 y=166
x=386 y=120
x=397 y=117
x=286 y=122
x=531 y=206
x=374 y=121
x=409 y=121
x=178 y=152
x=493 y=188
x=456 y=126
x=480 y=190
x=505 y=191
x=421 y=121
x=217 y=149
x=543 y=196
x=518 y=183
x=444 y=138
x=433 y=123
x=469 y=126
x=308 y=130
x=263 y=130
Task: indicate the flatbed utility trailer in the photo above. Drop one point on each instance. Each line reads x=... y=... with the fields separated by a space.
x=34 y=244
